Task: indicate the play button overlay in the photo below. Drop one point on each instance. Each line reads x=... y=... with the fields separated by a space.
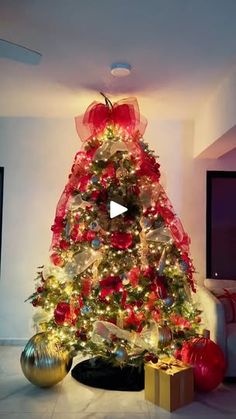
x=116 y=209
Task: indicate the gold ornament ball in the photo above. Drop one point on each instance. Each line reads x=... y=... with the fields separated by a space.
x=51 y=282
x=43 y=362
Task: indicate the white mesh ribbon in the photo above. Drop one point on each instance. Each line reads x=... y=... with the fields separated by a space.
x=148 y=339
x=82 y=261
x=118 y=146
x=161 y=234
x=108 y=148
x=149 y=194
x=162 y=262
x=76 y=202
x=51 y=270
x=41 y=316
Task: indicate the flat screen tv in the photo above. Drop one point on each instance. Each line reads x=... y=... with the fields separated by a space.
x=221 y=225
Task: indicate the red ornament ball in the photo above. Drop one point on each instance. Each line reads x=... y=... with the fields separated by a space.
x=120 y=240
x=81 y=334
x=154 y=359
x=207 y=360
x=35 y=302
x=61 y=312
x=56 y=259
x=147 y=358
x=151 y=357
x=89 y=235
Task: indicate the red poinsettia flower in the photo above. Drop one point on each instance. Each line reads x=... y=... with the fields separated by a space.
x=179 y=320
x=156 y=315
x=61 y=312
x=56 y=259
x=133 y=276
x=107 y=174
x=134 y=319
x=110 y=284
x=121 y=240
x=149 y=272
x=148 y=167
x=95 y=195
x=64 y=245
x=66 y=312
x=86 y=287
x=89 y=235
x=152 y=298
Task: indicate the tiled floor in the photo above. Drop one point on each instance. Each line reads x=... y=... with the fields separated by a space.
x=69 y=399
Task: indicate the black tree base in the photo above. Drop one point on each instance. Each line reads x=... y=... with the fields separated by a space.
x=96 y=372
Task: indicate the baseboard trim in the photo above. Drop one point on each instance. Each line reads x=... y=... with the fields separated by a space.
x=13 y=342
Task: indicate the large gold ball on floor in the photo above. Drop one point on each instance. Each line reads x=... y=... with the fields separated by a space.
x=43 y=362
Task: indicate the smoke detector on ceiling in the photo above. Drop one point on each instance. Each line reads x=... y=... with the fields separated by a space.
x=120 y=69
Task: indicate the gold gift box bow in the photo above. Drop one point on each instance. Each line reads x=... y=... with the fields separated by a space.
x=170 y=366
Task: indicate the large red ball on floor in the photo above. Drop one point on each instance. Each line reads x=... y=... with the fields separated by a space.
x=207 y=360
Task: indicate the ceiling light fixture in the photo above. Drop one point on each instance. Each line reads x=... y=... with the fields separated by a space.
x=120 y=69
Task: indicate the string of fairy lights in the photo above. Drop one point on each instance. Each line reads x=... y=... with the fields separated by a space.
x=137 y=275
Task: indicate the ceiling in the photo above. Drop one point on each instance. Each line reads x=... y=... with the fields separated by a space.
x=179 y=51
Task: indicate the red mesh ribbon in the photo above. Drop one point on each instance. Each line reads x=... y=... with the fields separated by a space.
x=124 y=114
x=180 y=238
x=78 y=173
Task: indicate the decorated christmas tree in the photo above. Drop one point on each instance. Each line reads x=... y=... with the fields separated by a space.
x=120 y=278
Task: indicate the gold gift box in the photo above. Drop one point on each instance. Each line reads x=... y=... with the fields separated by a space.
x=169 y=384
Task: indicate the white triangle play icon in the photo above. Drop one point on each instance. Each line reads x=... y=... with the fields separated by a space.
x=116 y=209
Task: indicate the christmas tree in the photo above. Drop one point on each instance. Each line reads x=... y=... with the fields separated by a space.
x=117 y=287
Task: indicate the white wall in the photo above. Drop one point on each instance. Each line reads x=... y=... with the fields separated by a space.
x=184 y=179
x=213 y=137
x=37 y=155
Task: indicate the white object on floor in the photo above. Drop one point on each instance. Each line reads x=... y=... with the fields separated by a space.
x=213 y=315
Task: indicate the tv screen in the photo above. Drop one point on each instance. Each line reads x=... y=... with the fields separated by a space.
x=221 y=225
